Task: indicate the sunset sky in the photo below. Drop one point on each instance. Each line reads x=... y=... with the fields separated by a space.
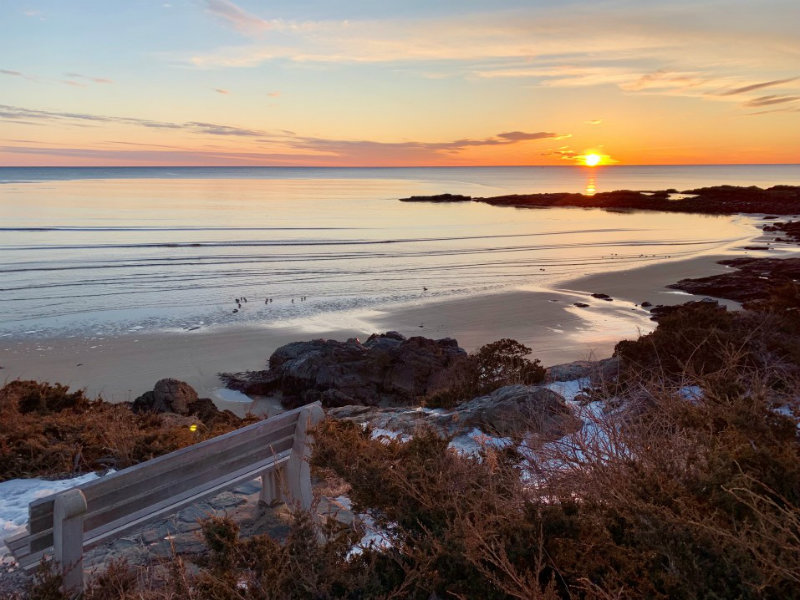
x=385 y=83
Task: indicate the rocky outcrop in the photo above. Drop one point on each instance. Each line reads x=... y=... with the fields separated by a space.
x=438 y=198
x=168 y=395
x=178 y=397
x=508 y=411
x=386 y=369
x=600 y=370
x=752 y=279
x=722 y=199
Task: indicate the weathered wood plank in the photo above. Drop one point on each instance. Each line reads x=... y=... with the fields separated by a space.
x=40 y=514
x=176 y=484
x=123 y=488
x=196 y=453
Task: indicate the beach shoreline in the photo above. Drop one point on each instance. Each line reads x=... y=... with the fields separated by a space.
x=120 y=368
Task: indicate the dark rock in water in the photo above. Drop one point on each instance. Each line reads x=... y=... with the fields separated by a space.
x=723 y=199
x=580 y=304
x=605 y=297
x=438 y=198
x=508 y=411
x=386 y=368
x=646 y=304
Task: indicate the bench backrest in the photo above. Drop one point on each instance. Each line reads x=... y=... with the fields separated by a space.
x=139 y=493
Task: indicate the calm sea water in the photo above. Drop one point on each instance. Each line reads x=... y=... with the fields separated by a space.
x=111 y=250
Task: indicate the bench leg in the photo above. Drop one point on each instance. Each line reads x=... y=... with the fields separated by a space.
x=298 y=471
x=68 y=510
x=270 y=487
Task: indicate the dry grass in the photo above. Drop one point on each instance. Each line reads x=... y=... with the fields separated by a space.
x=46 y=430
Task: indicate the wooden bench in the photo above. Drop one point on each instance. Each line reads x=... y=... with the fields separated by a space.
x=69 y=522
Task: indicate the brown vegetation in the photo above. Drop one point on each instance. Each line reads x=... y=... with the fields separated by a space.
x=668 y=494
x=46 y=430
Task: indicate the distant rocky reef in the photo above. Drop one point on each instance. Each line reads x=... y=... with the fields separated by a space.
x=722 y=199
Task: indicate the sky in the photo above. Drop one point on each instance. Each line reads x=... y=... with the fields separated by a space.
x=387 y=83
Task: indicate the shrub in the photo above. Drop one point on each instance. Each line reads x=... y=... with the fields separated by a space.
x=494 y=365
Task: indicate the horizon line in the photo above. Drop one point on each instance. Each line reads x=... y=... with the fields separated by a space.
x=788 y=164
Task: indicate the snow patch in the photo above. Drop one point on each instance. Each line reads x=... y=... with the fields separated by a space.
x=569 y=389
x=16 y=494
x=231 y=395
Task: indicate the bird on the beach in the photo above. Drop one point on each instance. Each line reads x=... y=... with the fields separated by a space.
x=235 y=310
x=424 y=289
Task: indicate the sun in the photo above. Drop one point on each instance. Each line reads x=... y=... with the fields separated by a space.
x=592 y=160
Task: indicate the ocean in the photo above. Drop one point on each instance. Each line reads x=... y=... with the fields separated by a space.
x=88 y=251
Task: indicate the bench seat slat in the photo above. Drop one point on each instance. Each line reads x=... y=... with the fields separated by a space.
x=122 y=489
x=158 y=490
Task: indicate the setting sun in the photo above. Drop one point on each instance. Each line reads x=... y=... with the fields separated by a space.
x=591 y=160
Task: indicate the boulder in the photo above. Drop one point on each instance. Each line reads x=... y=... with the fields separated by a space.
x=596 y=370
x=508 y=411
x=174 y=394
x=517 y=409
x=386 y=369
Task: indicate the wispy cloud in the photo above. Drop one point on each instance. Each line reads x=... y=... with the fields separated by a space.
x=411 y=149
x=25 y=115
x=12 y=73
x=666 y=49
x=770 y=100
x=222 y=91
x=594 y=122
x=89 y=78
x=233 y=15
x=282 y=145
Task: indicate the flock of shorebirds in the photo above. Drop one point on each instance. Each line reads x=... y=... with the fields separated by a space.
x=243 y=300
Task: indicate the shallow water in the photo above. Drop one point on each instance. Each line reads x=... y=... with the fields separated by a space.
x=105 y=251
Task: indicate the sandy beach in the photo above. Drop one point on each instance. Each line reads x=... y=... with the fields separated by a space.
x=121 y=368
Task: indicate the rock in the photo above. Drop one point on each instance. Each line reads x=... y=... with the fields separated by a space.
x=752 y=279
x=178 y=398
x=580 y=304
x=517 y=409
x=386 y=368
x=438 y=198
x=510 y=410
x=600 y=296
x=605 y=369
x=175 y=394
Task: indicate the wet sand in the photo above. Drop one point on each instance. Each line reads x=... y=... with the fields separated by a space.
x=121 y=368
